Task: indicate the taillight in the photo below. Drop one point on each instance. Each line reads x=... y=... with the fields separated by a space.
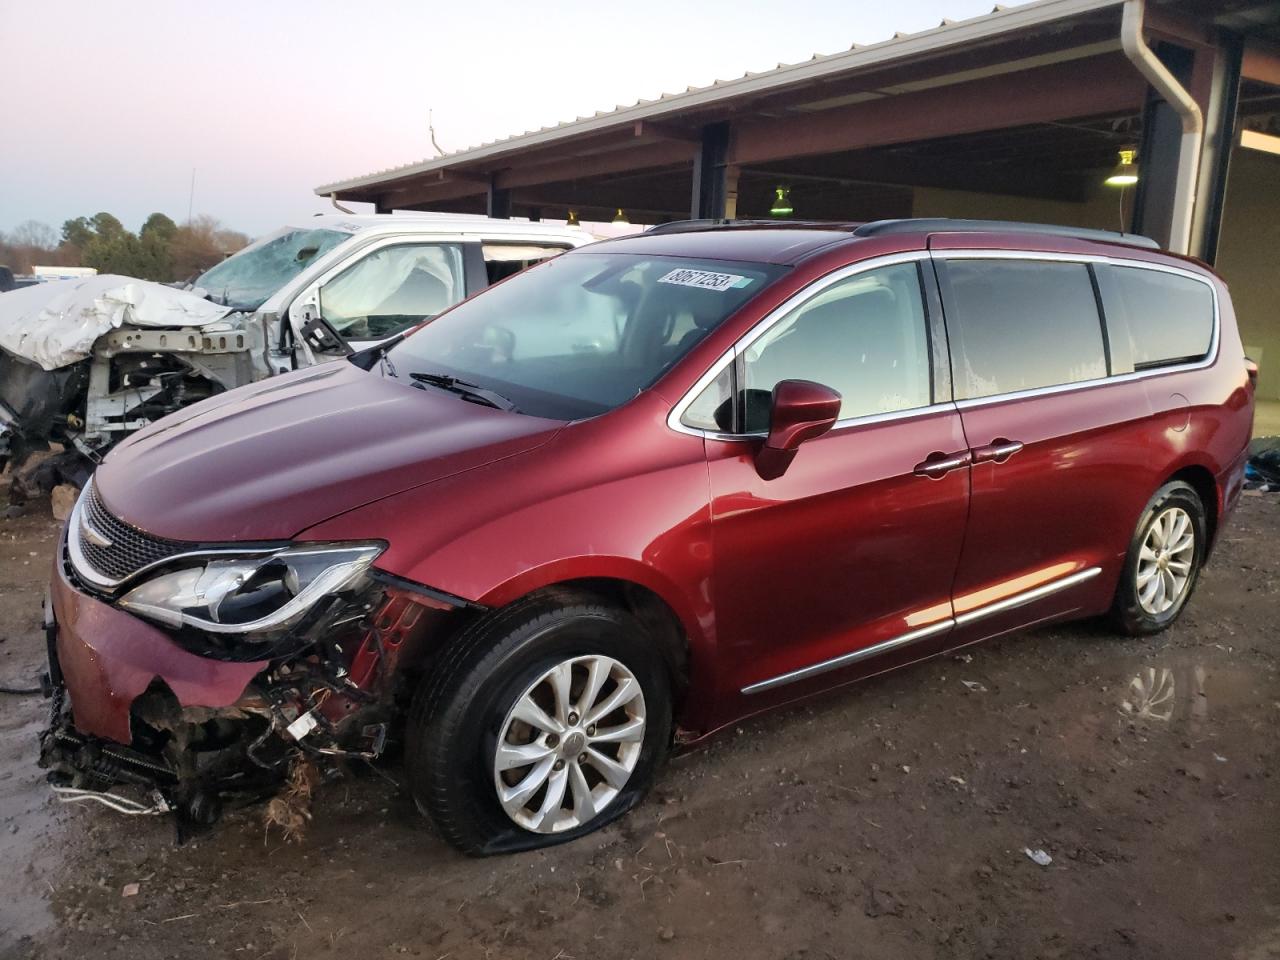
x=1251 y=368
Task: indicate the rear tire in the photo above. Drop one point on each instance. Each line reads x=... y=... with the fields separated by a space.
x=515 y=682
x=1163 y=564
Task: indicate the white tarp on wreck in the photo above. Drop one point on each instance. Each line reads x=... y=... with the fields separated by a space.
x=55 y=324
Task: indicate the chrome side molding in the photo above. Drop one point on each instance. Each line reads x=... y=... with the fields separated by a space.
x=922 y=633
x=843 y=660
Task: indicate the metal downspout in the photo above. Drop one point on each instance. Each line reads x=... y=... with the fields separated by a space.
x=1149 y=65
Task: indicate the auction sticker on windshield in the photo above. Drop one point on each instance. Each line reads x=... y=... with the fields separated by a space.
x=705 y=279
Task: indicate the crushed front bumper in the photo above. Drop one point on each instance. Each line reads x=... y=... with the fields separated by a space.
x=130 y=705
x=108 y=658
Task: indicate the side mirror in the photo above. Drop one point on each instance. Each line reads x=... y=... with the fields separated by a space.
x=317 y=332
x=801 y=410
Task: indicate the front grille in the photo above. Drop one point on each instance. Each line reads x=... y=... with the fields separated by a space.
x=130 y=549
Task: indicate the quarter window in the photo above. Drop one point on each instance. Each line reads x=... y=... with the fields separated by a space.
x=1169 y=317
x=864 y=337
x=713 y=408
x=1021 y=325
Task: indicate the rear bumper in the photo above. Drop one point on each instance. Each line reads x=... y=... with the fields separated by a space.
x=108 y=658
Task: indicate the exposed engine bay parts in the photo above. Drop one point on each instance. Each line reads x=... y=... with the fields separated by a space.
x=254 y=663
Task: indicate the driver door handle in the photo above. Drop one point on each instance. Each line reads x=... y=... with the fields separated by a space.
x=937 y=465
x=998 y=450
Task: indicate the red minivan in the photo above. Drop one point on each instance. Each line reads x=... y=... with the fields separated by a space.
x=637 y=493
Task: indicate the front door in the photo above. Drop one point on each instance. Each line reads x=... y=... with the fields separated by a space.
x=843 y=565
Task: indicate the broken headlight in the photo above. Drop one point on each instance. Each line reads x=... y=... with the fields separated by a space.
x=251 y=594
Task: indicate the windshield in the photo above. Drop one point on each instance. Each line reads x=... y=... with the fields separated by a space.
x=246 y=280
x=581 y=334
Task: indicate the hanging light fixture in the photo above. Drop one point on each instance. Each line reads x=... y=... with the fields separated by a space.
x=1125 y=173
x=620 y=217
x=572 y=220
x=781 y=203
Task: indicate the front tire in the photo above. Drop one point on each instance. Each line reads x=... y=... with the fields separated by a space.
x=1163 y=563
x=541 y=724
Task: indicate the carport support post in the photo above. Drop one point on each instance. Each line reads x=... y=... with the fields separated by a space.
x=709 y=169
x=498 y=202
x=1220 y=124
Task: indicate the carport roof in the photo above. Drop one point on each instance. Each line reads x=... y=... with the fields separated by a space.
x=901 y=47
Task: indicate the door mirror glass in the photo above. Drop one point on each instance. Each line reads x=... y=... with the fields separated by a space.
x=801 y=410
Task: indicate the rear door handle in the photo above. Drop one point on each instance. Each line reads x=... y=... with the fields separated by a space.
x=940 y=464
x=998 y=450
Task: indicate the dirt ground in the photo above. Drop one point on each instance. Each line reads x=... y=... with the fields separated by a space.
x=886 y=820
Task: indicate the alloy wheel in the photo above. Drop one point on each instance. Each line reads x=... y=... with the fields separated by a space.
x=1164 y=561
x=569 y=744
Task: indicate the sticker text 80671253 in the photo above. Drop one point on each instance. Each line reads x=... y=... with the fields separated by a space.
x=705 y=279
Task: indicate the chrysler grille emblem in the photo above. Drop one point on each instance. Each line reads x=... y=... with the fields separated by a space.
x=92 y=535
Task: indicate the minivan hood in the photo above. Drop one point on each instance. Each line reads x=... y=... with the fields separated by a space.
x=268 y=460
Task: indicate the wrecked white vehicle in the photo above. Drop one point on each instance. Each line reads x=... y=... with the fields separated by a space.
x=85 y=362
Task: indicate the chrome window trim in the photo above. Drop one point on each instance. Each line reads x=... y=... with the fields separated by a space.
x=774 y=316
x=1210 y=358
x=922 y=633
x=797 y=299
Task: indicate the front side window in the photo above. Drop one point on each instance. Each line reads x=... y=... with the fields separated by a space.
x=1169 y=317
x=392 y=289
x=865 y=337
x=1021 y=325
x=246 y=280
x=582 y=333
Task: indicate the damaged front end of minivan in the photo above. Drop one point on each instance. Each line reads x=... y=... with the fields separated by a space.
x=200 y=675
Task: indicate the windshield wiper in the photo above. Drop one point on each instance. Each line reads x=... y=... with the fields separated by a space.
x=464 y=389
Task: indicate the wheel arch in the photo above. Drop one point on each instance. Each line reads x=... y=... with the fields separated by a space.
x=1201 y=479
x=668 y=616
x=647 y=606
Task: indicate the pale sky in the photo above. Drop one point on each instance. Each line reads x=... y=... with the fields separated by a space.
x=109 y=106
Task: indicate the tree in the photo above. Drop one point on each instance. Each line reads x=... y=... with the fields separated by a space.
x=33 y=233
x=31 y=243
x=160 y=226
x=161 y=250
x=77 y=232
x=156 y=240
x=200 y=243
x=106 y=245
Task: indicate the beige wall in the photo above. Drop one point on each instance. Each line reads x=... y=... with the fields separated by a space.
x=1102 y=210
x=1249 y=259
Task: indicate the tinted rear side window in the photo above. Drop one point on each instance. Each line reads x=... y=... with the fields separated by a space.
x=1020 y=325
x=1169 y=317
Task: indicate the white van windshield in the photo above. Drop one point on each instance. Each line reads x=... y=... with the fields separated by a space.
x=246 y=280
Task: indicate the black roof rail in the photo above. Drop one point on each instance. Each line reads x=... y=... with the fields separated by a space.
x=695 y=226
x=880 y=228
